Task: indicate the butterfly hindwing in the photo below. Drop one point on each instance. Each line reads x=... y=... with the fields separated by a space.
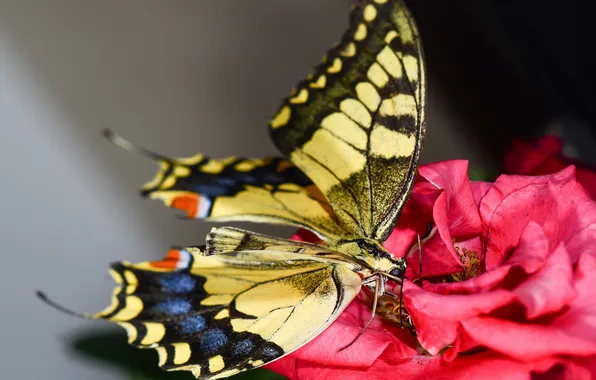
x=271 y=190
x=215 y=315
x=356 y=125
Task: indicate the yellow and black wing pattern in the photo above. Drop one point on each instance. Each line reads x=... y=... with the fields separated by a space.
x=216 y=315
x=228 y=239
x=355 y=126
x=270 y=190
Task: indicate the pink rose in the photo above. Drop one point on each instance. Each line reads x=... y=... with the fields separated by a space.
x=507 y=289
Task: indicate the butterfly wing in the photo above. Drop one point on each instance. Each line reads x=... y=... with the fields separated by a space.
x=227 y=239
x=356 y=125
x=271 y=190
x=216 y=315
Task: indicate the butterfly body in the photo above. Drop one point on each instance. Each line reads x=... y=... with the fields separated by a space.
x=351 y=134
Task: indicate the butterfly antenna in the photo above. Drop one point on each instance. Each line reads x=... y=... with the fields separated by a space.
x=419 y=255
x=61 y=308
x=129 y=146
x=372 y=317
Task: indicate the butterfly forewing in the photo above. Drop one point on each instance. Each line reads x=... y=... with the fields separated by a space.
x=216 y=315
x=356 y=125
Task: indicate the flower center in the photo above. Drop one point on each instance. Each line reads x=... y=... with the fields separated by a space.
x=472 y=265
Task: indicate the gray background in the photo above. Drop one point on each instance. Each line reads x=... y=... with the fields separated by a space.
x=176 y=76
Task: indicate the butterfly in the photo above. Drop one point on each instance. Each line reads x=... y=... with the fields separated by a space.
x=351 y=136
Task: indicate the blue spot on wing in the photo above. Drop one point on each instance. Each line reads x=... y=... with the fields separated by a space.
x=174 y=306
x=210 y=190
x=273 y=178
x=243 y=347
x=178 y=283
x=246 y=178
x=226 y=181
x=213 y=340
x=193 y=324
x=270 y=352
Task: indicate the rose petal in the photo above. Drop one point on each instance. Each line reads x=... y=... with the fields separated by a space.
x=530 y=255
x=414 y=368
x=463 y=343
x=525 y=342
x=487 y=365
x=454 y=307
x=557 y=203
x=436 y=259
x=455 y=214
x=480 y=188
x=514 y=201
x=551 y=288
x=462 y=213
x=576 y=221
x=580 y=318
x=437 y=316
x=580 y=369
x=532 y=249
x=442 y=219
x=482 y=283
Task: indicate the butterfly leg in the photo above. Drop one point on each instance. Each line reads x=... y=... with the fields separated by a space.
x=379 y=289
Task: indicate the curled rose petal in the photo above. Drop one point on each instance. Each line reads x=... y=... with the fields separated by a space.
x=580 y=318
x=460 y=205
x=480 y=188
x=532 y=249
x=550 y=289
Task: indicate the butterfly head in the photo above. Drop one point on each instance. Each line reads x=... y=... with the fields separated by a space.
x=377 y=258
x=391 y=267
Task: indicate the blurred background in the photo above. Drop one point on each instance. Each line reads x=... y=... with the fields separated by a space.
x=187 y=76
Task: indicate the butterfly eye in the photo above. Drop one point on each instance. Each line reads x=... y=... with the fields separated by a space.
x=397 y=272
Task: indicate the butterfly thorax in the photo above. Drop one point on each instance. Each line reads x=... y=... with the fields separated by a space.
x=374 y=257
